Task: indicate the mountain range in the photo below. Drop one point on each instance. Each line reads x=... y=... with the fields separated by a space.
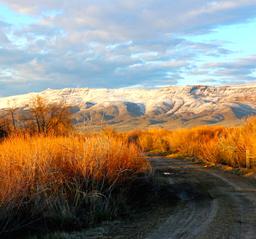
x=169 y=107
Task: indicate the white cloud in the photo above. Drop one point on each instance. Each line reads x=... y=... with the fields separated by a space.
x=112 y=43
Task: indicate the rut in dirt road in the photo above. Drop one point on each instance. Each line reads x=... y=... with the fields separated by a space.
x=227 y=209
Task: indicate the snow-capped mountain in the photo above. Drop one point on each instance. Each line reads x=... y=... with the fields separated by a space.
x=168 y=106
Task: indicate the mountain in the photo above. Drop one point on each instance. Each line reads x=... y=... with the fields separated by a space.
x=170 y=107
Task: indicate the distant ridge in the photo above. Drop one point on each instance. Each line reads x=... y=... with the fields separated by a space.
x=170 y=107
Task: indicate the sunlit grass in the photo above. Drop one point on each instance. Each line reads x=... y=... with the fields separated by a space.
x=63 y=179
x=77 y=180
x=212 y=144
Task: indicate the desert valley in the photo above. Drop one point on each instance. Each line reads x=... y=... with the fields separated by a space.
x=74 y=159
x=127 y=119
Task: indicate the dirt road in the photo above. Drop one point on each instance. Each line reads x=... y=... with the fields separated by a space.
x=214 y=204
x=190 y=201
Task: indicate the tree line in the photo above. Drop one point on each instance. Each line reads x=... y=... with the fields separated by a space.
x=39 y=117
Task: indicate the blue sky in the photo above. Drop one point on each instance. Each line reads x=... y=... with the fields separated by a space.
x=128 y=43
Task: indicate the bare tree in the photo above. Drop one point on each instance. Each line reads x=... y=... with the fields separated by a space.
x=48 y=118
x=39 y=110
x=3 y=128
x=8 y=121
x=11 y=114
x=41 y=117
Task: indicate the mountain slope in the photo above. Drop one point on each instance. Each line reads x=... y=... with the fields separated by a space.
x=173 y=106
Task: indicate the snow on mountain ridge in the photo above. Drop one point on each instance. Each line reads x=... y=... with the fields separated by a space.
x=192 y=101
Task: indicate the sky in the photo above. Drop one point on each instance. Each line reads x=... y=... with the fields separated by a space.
x=125 y=43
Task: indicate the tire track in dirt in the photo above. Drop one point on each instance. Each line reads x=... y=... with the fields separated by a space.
x=228 y=211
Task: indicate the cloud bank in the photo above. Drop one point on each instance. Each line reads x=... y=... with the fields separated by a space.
x=118 y=43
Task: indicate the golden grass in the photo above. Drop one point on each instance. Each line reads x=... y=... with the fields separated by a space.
x=74 y=180
x=212 y=144
x=49 y=176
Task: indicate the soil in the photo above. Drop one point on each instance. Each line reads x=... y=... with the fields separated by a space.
x=189 y=201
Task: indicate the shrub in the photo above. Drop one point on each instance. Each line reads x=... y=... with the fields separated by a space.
x=63 y=180
x=212 y=144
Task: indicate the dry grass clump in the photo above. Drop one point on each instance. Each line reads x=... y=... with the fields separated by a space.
x=212 y=144
x=64 y=180
x=153 y=140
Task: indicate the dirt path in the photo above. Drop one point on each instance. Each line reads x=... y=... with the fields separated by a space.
x=228 y=209
x=209 y=204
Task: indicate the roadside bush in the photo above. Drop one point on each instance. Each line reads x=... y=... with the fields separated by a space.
x=70 y=181
x=212 y=144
